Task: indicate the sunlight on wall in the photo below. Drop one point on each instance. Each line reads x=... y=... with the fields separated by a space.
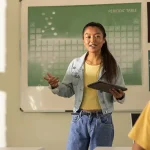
x=2 y=35
x=2 y=119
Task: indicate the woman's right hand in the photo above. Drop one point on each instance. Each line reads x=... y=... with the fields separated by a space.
x=53 y=81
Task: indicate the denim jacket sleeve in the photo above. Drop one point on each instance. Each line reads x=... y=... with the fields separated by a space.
x=65 y=88
x=120 y=82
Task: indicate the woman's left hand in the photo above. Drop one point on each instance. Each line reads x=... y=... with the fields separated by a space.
x=118 y=94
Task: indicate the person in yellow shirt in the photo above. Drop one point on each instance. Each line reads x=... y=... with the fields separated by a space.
x=140 y=132
x=92 y=123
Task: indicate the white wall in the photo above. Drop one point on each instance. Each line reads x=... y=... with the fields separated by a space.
x=49 y=130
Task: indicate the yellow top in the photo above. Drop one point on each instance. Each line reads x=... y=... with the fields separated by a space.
x=140 y=132
x=90 y=97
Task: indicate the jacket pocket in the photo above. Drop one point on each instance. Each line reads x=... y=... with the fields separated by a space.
x=75 y=76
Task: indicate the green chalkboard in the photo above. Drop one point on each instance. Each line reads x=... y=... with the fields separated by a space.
x=54 y=38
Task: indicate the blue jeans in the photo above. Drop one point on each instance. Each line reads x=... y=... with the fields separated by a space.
x=90 y=131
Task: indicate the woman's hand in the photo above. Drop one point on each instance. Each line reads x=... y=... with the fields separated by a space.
x=53 y=81
x=118 y=94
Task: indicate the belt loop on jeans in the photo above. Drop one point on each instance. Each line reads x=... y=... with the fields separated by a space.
x=97 y=114
x=80 y=113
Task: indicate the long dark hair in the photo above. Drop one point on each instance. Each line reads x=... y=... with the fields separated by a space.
x=109 y=62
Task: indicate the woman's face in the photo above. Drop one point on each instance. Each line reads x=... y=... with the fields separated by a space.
x=93 y=39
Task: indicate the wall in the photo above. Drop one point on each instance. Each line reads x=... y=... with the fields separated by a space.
x=49 y=130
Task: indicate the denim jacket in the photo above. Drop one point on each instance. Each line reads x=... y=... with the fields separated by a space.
x=73 y=84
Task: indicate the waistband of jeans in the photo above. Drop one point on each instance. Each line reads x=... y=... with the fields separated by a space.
x=87 y=112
